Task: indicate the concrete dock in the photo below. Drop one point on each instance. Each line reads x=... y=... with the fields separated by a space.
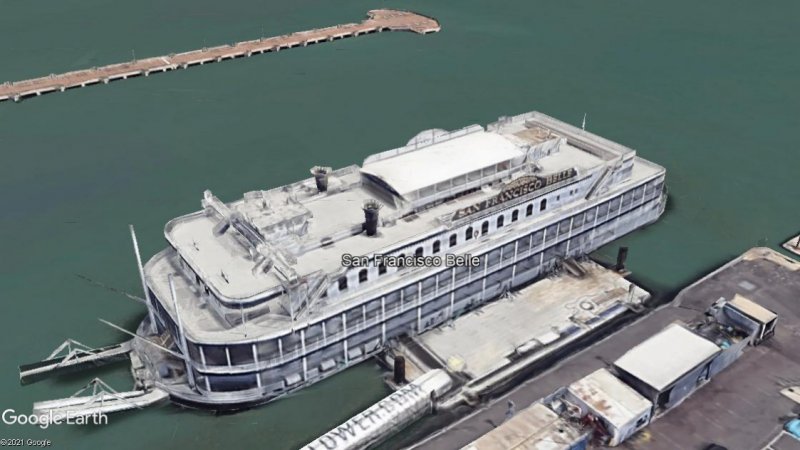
x=793 y=245
x=492 y=346
x=377 y=21
x=742 y=408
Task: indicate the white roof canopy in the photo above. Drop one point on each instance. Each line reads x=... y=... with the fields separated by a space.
x=437 y=163
x=667 y=356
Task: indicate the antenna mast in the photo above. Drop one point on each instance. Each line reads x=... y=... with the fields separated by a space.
x=148 y=300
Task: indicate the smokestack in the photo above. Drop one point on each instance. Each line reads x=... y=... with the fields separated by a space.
x=399 y=369
x=371 y=208
x=622 y=255
x=321 y=177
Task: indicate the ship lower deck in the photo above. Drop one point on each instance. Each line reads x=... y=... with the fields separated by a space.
x=246 y=374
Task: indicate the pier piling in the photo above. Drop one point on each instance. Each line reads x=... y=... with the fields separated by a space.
x=399 y=370
x=622 y=255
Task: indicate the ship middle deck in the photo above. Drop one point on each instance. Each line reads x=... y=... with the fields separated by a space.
x=225 y=265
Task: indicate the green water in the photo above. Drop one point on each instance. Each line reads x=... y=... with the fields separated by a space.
x=709 y=89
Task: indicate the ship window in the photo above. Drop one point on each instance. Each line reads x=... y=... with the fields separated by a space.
x=381 y=269
x=418 y=251
x=485 y=227
x=515 y=215
x=500 y=221
x=468 y=234
x=454 y=239
x=529 y=210
x=436 y=247
x=342 y=283
x=362 y=275
x=543 y=205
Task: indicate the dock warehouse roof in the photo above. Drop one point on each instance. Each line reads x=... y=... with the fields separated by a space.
x=536 y=427
x=411 y=171
x=667 y=356
x=614 y=400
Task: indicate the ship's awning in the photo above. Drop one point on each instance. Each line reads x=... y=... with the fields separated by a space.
x=438 y=163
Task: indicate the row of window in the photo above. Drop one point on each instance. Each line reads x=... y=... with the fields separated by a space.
x=241 y=355
x=469 y=233
x=500 y=221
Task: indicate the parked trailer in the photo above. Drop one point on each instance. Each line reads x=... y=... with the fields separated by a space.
x=746 y=315
x=611 y=403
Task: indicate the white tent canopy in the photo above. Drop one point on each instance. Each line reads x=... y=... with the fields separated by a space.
x=412 y=171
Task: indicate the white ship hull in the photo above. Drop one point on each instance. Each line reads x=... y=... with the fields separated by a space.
x=515 y=239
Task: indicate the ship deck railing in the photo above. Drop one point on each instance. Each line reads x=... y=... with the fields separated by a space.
x=447 y=219
x=419 y=301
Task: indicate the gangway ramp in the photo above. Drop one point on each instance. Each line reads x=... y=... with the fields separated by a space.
x=103 y=400
x=70 y=356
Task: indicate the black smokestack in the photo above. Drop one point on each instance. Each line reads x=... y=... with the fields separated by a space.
x=321 y=177
x=371 y=208
x=622 y=255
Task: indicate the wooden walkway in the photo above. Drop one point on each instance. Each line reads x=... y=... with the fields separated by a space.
x=378 y=20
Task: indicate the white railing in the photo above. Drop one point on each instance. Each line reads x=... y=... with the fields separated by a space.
x=403 y=307
x=447 y=218
x=452 y=191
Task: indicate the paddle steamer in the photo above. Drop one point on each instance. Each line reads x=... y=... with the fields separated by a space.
x=284 y=287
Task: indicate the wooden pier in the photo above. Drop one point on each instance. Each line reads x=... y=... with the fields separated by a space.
x=377 y=21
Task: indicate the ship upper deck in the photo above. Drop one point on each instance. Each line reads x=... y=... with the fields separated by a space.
x=201 y=324
x=227 y=264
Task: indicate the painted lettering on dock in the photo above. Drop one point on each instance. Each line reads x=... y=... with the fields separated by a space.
x=381 y=413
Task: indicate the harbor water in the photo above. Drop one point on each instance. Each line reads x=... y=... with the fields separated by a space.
x=707 y=89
